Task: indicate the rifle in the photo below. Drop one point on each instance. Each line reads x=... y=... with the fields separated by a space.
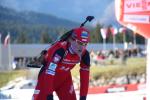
x=38 y=62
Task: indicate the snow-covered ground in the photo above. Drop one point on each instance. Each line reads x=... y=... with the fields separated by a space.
x=136 y=95
x=23 y=91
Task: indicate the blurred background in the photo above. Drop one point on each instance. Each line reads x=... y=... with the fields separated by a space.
x=118 y=54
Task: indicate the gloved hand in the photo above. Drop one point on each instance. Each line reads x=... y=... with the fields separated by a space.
x=83 y=98
x=50 y=97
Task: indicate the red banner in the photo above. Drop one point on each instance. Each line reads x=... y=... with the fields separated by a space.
x=134 y=14
x=116 y=88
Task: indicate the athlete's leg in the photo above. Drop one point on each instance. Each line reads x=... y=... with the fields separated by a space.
x=66 y=90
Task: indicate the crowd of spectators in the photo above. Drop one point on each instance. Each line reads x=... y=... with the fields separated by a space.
x=121 y=55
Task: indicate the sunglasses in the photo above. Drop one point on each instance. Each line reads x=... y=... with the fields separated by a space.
x=81 y=43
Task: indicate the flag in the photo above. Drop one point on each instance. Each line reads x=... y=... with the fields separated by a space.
x=113 y=30
x=7 y=40
x=104 y=32
x=122 y=30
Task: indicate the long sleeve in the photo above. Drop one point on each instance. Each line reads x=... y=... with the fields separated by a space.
x=84 y=82
x=84 y=74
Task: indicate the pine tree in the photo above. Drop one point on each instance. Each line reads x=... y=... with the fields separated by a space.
x=96 y=35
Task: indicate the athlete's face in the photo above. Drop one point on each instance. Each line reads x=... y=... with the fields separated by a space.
x=78 y=46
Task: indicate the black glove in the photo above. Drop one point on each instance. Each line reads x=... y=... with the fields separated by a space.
x=83 y=98
x=50 y=97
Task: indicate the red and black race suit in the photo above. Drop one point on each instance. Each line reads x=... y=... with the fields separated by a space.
x=56 y=75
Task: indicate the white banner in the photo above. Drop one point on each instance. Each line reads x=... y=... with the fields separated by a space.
x=131 y=6
x=137 y=18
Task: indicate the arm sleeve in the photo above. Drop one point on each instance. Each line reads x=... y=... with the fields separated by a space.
x=53 y=58
x=84 y=74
